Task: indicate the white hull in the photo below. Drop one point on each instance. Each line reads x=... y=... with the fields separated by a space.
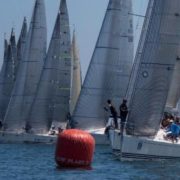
x=6 y=137
x=99 y=136
x=141 y=148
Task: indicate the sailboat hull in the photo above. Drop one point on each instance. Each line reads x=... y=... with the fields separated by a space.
x=8 y=137
x=141 y=148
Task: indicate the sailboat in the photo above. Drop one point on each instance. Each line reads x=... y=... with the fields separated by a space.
x=149 y=86
x=52 y=95
x=54 y=77
x=15 y=120
x=109 y=70
x=61 y=107
x=12 y=57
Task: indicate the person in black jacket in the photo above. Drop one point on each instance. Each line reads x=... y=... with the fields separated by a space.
x=123 y=112
x=113 y=112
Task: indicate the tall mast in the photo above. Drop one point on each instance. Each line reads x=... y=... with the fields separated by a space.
x=29 y=71
x=109 y=70
x=154 y=65
x=76 y=74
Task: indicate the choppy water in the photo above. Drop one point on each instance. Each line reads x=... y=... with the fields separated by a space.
x=36 y=162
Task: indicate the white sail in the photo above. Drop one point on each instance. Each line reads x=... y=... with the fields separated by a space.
x=6 y=79
x=29 y=71
x=154 y=68
x=63 y=84
x=9 y=70
x=43 y=106
x=76 y=74
x=21 y=45
x=174 y=92
x=110 y=66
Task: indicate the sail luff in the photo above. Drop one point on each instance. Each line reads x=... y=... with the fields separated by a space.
x=76 y=74
x=154 y=69
x=29 y=71
x=63 y=84
x=43 y=105
x=109 y=70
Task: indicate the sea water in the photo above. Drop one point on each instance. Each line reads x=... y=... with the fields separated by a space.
x=36 y=162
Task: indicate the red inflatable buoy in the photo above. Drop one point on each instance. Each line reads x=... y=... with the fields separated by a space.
x=74 y=148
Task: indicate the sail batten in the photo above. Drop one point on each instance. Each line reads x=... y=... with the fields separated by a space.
x=153 y=67
x=112 y=58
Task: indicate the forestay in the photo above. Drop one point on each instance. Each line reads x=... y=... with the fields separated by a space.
x=109 y=70
x=29 y=71
x=154 y=68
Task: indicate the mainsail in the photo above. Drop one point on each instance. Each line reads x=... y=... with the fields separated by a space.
x=29 y=71
x=76 y=74
x=109 y=70
x=63 y=84
x=155 y=63
x=43 y=105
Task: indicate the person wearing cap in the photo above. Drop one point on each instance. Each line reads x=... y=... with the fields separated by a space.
x=173 y=131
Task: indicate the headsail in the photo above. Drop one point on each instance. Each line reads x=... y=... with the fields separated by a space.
x=29 y=71
x=43 y=105
x=21 y=45
x=154 y=67
x=174 y=92
x=76 y=74
x=63 y=84
x=110 y=66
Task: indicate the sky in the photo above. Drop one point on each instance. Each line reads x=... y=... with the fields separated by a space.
x=86 y=17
